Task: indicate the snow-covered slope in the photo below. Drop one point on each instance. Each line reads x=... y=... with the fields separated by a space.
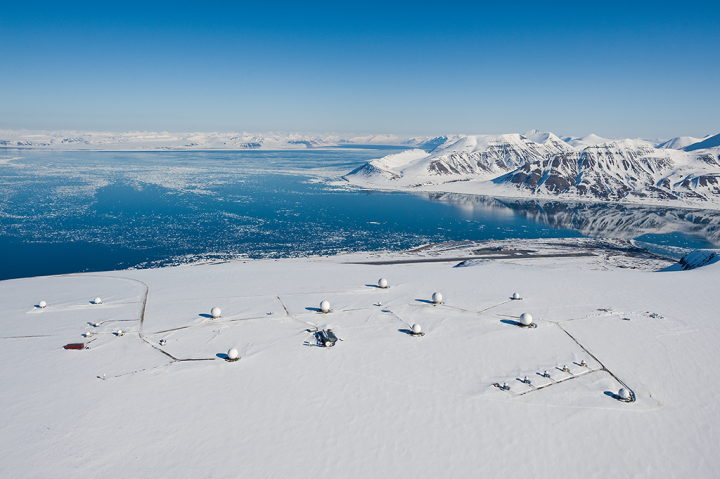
x=430 y=143
x=381 y=403
x=623 y=170
x=539 y=164
x=478 y=156
x=710 y=142
x=584 y=141
x=679 y=142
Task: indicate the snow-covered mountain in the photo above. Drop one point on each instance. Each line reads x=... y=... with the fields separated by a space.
x=143 y=140
x=678 y=143
x=430 y=143
x=478 y=156
x=136 y=140
x=681 y=171
x=539 y=164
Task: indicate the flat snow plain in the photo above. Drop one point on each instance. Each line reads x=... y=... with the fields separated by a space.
x=381 y=403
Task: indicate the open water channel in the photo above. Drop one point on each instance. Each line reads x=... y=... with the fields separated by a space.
x=64 y=212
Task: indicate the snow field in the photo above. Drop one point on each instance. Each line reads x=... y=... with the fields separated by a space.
x=381 y=403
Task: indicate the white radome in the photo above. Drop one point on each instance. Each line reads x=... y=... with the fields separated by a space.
x=515 y=296
x=325 y=306
x=437 y=298
x=382 y=283
x=88 y=334
x=416 y=328
x=525 y=319
x=42 y=304
x=623 y=393
x=233 y=354
x=97 y=301
x=215 y=313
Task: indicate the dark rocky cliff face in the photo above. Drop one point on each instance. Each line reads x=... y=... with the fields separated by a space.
x=499 y=158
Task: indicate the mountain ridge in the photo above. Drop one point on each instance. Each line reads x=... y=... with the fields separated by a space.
x=630 y=170
x=152 y=140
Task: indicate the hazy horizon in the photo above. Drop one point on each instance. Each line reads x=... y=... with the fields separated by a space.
x=351 y=137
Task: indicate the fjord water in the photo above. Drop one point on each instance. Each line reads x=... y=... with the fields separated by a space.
x=64 y=212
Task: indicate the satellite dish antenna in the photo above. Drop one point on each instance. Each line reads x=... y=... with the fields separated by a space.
x=382 y=283
x=416 y=330
x=525 y=319
x=437 y=298
x=97 y=301
x=42 y=304
x=215 y=313
x=232 y=355
x=325 y=307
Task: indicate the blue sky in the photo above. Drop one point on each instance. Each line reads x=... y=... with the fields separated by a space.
x=409 y=68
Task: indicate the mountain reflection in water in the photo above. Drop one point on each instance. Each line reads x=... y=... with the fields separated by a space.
x=66 y=212
x=598 y=219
